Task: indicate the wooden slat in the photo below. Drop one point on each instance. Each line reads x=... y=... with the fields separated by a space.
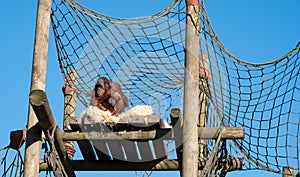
x=116 y=150
x=74 y=123
x=150 y=122
x=101 y=150
x=145 y=151
x=145 y=122
x=86 y=149
x=160 y=149
x=175 y=116
x=131 y=151
x=85 y=146
x=131 y=135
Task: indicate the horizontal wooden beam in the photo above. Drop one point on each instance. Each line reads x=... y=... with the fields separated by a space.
x=166 y=134
x=150 y=122
x=132 y=135
x=156 y=165
x=227 y=132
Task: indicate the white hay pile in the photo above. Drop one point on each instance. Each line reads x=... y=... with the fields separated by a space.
x=95 y=115
x=140 y=110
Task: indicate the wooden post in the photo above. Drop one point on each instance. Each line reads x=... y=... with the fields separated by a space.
x=175 y=115
x=205 y=77
x=191 y=90
x=288 y=171
x=69 y=108
x=38 y=80
x=39 y=102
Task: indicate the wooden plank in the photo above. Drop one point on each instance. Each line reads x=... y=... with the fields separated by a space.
x=165 y=134
x=101 y=150
x=74 y=123
x=145 y=151
x=122 y=124
x=160 y=149
x=116 y=150
x=175 y=116
x=155 y=165
x=86 y=149
x=112 y=165
x=144 y=121
x=150 y=122
x=227 y=132
x=85 y=146
x=131 y=151
x=133 y=135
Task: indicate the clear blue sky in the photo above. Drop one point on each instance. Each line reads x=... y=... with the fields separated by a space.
x=253 y=30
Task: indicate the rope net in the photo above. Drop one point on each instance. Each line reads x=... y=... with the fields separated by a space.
x=11 y=161
x=146 y=57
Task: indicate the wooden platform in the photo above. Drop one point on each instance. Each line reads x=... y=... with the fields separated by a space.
x=136 y=143
x=119 y=147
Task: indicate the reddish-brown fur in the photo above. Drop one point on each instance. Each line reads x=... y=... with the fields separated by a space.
x=109 y=96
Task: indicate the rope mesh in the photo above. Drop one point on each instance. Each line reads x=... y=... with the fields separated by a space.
x=11 y=162
x=146 y=56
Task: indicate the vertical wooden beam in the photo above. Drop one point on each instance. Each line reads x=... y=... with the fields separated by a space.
x=175 y=115
x=204 y=76
x=191 y=91
x=38 y=80
x=288 y=171
x=69 y=108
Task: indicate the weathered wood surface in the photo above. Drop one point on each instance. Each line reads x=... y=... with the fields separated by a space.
x=102 y=150
x=145 y=151
x=38 y=81
x=122 y=141
x=85 y=146
x=175 y=116
x=103 y=141
x=160 y=149
x=110 y=141
x=164 y=134
x=150 y=122
x=116 y=150
x=70 y=107
x=131 y=151
x=228 y=132
x=155 y=165
x=203 y=132
x=123 y=135
x=191 y=90
x=39 y=102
